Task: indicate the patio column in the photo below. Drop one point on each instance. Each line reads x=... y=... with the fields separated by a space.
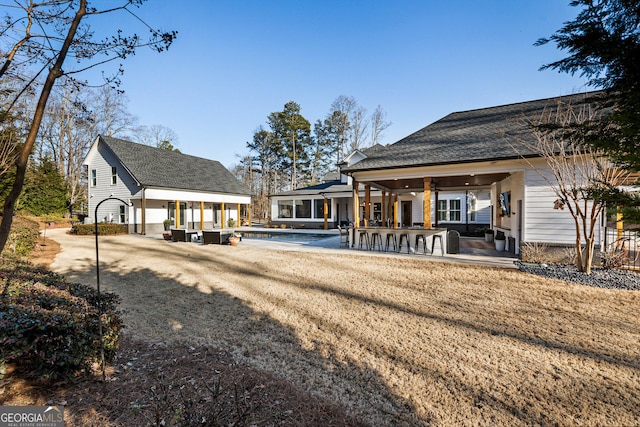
x=177 y=214
x=143 y=206
x=239 y=222
x=249 y=213
x=426 y=207
x=222 y=215
x=325 y=211
x=201 y=215
x=367 y=204
x=356 y=205
x=619 y=224
x=395 y=211
x=383 y=208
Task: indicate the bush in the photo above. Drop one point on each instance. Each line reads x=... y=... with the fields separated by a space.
x=49 y=327
x=104 y=229
x=231 y=223
x=613 y=258
x=22 y=238
x=534 y=252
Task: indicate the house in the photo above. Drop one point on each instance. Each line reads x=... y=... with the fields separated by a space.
x=155 y=185
x=305 y=207
x=467 y=170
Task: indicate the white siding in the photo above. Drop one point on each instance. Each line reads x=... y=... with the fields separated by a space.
x=123 y=189
x=483 y=206
x=543 y=223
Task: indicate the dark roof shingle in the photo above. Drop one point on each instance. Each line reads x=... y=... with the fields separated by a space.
x=467 y=136
x=156 y=167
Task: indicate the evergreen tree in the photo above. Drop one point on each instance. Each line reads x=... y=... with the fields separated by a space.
x=45 y=190
x=603 y=43
x=293 y=135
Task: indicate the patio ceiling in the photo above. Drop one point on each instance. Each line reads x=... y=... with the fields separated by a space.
x=441 y=182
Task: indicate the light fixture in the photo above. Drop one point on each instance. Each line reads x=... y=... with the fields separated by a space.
x=466 y=183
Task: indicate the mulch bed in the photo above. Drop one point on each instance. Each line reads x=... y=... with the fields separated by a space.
x=157 y=384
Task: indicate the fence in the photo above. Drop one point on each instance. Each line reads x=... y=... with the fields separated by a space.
x=627 y=242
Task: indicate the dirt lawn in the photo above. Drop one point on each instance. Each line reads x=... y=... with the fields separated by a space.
x=394 y=341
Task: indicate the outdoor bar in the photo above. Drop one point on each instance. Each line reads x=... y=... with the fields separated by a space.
x=431 y=237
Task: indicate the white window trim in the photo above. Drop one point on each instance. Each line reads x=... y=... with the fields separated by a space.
x=448 y=211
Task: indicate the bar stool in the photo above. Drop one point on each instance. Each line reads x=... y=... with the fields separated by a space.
x=421 y=238
x=404 y=236
x=364 y=236
x=376 y=237
x=391 y=238
x=433 y=243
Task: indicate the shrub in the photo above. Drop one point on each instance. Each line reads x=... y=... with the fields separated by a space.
x=534 y=252
x=104 y=229
x=613 y=258
x=231 y=222
x=22 y=238
x=49 y=327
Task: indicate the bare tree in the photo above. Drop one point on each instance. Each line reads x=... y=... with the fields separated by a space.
x=156 y=136
x=65 y=136
x=359 y=128
x=379 y=124
x=40 y=37
x=580 y=174
x=111 y=113
x=356 y=127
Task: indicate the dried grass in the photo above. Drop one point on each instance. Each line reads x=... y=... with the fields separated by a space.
x=394 y=341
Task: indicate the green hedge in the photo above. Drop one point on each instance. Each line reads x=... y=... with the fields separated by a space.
x=48 y=326
x=104 y=229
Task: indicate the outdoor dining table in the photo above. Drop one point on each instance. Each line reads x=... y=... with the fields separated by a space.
x=411 y=232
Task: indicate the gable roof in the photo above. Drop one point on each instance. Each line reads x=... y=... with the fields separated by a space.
x=467 y=136
x=156 y=167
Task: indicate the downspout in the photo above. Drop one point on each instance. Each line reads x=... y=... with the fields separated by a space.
x=143 y=206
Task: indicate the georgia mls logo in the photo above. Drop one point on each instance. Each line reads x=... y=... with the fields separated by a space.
x=31 y=416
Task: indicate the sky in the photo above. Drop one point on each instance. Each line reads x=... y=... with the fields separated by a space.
x=236 y=61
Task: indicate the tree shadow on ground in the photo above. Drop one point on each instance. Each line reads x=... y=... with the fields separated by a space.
x=221 y=309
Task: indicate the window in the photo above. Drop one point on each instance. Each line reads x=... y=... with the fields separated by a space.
x=285 y=208
x=442 y=210
x=449 y=210
x=171 y=213
x=303 y=208
x=454 y=210
x=319 y=208
x=122 y=218
x=114 y=175
x=94 y=178
x=473 y=206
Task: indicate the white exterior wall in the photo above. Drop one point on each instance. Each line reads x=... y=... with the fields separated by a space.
x=543 y=223
x=483 y=206
x=123 y=189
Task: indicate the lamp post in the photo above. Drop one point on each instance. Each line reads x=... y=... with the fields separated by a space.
x=95 y=222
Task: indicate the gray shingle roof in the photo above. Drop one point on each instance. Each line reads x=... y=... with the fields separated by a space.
x=326 y=187
x=464 y=137
x=155 y=167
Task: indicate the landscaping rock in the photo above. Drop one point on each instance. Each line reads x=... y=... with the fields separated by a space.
x=599 y=277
